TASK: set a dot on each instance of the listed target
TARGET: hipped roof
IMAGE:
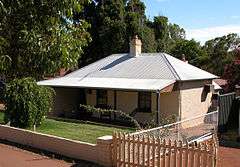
(148, 71)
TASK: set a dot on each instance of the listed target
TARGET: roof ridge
(172, 69)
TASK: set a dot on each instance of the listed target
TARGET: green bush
(26, 102)
(130, 121)
(164, 120)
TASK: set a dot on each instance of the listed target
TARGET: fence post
(178, 127)
(104, 145)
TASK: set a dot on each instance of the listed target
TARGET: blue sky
(202, 19)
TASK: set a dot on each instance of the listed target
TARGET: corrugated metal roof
(106, 83)
(123, 71)
(146, 66)
(187, 71)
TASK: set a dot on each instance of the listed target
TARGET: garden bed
(82, 131)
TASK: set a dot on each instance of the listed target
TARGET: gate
(228, 111)
(146, 151)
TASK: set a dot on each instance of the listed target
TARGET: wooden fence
(129, 150)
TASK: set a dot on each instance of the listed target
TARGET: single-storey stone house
(136, 82)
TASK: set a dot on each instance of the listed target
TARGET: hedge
(122, 116)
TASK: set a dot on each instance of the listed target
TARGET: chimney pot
(135, 46)
(184, 58)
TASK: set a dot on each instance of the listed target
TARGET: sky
(202, 19)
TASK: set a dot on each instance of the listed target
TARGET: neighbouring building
(138, 83)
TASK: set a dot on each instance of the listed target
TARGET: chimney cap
(135, 37)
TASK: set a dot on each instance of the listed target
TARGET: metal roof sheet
(149, 71)
(146, 66)
(106, 83)
(187, 71)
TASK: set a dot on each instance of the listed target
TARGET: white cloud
(204, 34)
(235, 17)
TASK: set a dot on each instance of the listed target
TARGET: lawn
(87, 132)
(78, 131)
(1, 117)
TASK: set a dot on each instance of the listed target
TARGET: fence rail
(147, 151)
(187, 130)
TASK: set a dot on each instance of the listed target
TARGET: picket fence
(146, 151)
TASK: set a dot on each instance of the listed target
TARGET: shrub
(164, 120)
(26, 102)
(130, 121)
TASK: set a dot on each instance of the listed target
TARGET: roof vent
(135, 46)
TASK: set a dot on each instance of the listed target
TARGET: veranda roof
(109, 83)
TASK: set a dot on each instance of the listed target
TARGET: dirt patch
(228, 157)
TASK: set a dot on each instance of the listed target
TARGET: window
(101, 98)
(144, 101)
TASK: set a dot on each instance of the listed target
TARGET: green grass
(87, 132)
(1, 117)
(78, 131)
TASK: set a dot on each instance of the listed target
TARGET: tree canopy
(39, 37)
(115, 22)
(220, 52)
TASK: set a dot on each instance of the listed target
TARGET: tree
(115, 22)
(176, 32)
(108, 29)
(232, 75)
(161, 33)
(232, 71)
(135, 17)
(220, 53)
(26, 102)
(112, 35)
(192, 50)
(148, 40)
(39, 37)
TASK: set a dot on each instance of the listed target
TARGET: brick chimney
(135, 46)
(184, 58)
